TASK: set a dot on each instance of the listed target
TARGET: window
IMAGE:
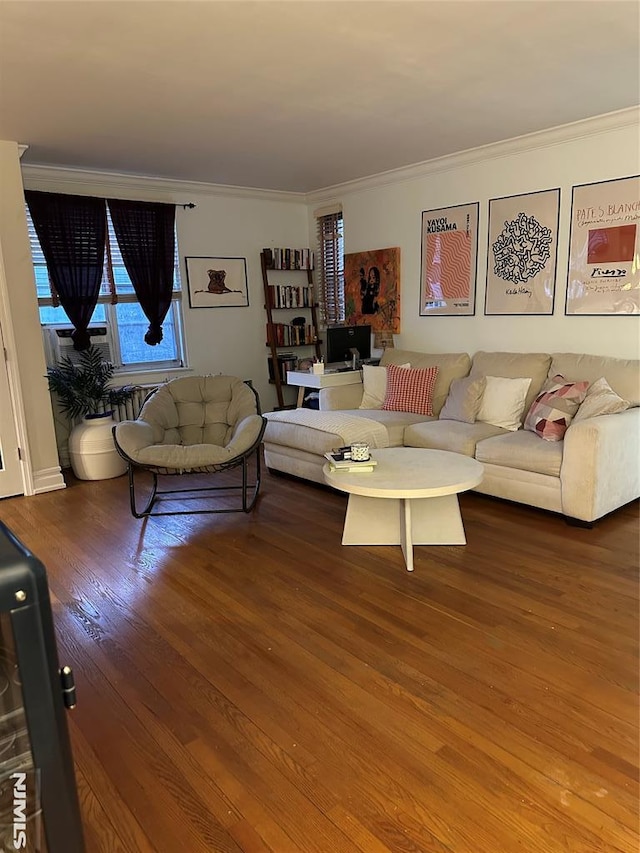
(331, 266)
(125, 320)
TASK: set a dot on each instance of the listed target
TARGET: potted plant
(83, 391)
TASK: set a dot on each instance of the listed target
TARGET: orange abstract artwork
(372, 289)
(611, 245)
(448, 265)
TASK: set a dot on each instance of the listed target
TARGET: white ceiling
(302, 95)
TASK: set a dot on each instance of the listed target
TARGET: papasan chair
(194, 425)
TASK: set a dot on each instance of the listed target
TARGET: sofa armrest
(341, 397)
(601, 465)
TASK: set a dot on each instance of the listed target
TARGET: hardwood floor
(245, 683)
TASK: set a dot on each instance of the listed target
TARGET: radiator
(130, 410)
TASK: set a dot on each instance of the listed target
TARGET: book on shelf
(288, 259)
(287, 296)
(286, 362)
(289, 335)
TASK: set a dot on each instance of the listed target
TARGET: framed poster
(522, 253)
(372, 289)
(217, 282)
(604, 248)
(449, 260)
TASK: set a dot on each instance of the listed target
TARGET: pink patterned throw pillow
(410, 389)
(553, 409)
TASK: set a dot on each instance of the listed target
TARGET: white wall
(386, 211)
(226, 222)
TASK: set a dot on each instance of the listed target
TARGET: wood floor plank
(248, 684)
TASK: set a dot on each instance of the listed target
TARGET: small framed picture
(217, 282)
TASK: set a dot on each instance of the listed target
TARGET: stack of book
(288, 259)
(337, 462)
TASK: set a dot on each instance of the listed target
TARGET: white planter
(92, 451)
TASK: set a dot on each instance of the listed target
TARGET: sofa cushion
(465, 397)
(623, 375)
(503, 401)
(601, 399)
(394, 422)
(512, 365)
(409, 389)
(318, 432)
(450, 366)
(374, 386)
(522, 450)
(554, 408)
(449, 435)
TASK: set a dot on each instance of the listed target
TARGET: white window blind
(331, 267)
(114, 269)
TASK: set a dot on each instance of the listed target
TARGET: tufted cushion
(409, 389)
(198, 410)
(193, 422)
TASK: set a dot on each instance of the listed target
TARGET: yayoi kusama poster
(449, 260)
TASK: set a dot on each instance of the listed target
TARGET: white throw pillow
(601, 399)
(503, 402)
(374, 381)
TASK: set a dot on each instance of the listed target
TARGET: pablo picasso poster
(522, 253)
(604, 248)
(449, 260)
(372, 289)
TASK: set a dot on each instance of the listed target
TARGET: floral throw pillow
(553, 409)
(410, 389)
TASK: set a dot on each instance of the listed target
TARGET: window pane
(132, 326)
(42, 282)
(48, 314)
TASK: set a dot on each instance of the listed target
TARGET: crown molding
(83, 181)
(143, 188)
(560, 135)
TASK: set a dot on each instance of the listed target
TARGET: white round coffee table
(410, 498)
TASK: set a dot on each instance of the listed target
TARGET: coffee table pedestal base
(403, 521)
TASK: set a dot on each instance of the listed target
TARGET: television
(343, 342)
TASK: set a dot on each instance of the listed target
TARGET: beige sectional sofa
(592, 471)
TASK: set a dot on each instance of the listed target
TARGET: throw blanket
(349, 427)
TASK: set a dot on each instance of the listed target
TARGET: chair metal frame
(249, 497)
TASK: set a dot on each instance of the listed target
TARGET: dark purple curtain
(145, 232)
(72, 232)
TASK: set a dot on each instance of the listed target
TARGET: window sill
(150, 374)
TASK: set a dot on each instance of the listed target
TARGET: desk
(321, 380)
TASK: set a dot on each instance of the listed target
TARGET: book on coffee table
(357, 467)
(337, 462)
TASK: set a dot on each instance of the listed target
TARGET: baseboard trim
(48, 480)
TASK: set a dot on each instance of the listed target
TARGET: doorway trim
(15, 388)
